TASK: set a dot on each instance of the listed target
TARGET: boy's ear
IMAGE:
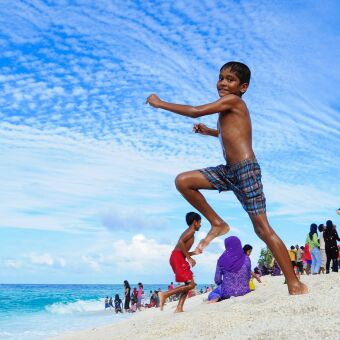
(244, 87)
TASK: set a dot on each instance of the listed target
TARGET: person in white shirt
(322, 249)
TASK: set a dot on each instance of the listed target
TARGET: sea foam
(80, 306)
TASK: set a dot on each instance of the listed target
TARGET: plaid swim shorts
(244, 179)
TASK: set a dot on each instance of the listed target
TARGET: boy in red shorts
(180, 265)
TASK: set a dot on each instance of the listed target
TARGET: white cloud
(47, 259)
(93, 264)
(13, 263)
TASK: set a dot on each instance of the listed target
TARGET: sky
(87, 169)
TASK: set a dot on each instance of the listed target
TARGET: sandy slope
(267, 313)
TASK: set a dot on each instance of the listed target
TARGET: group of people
(233, 275)
(240, 174)
(319, 255)
(134, 298)
(322, 248)
(117, 303)
(133, 301)
(320, 251)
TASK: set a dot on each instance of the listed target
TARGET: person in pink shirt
(139, 295)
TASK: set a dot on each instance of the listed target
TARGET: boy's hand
(200, 128)
(153, 100)
(192, 261)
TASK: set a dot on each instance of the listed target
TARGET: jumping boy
(241, 174)
(179, 264)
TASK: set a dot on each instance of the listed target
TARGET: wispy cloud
(80, 151)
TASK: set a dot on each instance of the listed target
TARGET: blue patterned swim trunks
(244, 179)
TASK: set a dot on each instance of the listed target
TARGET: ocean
(39, 311)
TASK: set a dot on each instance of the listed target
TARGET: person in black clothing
(118, 304)
(127, 296)
(331, 236)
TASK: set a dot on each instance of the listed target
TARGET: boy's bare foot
(179, 310)
(161, 300)
(215, 231)
(298, 289)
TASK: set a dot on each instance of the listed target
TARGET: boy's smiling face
(229, 83)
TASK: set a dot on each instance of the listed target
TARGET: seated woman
(276, 269)
(233, 271)
(118, 304)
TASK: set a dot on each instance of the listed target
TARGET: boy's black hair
(191, 217)
(292, 247)
(242, 70)
(247, 247)
(321, 227)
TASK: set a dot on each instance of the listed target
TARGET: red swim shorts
(180, 266)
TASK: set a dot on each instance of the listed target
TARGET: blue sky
(87, 169)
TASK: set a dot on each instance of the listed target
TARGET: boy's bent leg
(188, 184)
(178, 290)
(279, 251)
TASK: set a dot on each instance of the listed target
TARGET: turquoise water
(41, 311)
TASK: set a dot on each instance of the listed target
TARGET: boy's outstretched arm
(223, 104)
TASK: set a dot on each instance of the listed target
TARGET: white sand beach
(267, 313)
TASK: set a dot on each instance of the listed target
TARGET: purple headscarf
(233, 257)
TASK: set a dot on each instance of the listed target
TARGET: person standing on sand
(241, 173)
(331, 236)
(299, 263)
(127, 291)
(292, 256)
(308, 258)
(321, 229)
(139, 295)
(179, 261)
(312, 240)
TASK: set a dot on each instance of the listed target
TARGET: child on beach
(247, 249)
(241, 174)
(106, 302)
(307, 258)
(118, 304)
(180, 266)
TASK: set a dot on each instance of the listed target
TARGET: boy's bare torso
(235, 133)
(187, 238)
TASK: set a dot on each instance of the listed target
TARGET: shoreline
(267, 312)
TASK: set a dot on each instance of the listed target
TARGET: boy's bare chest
(189, 242)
